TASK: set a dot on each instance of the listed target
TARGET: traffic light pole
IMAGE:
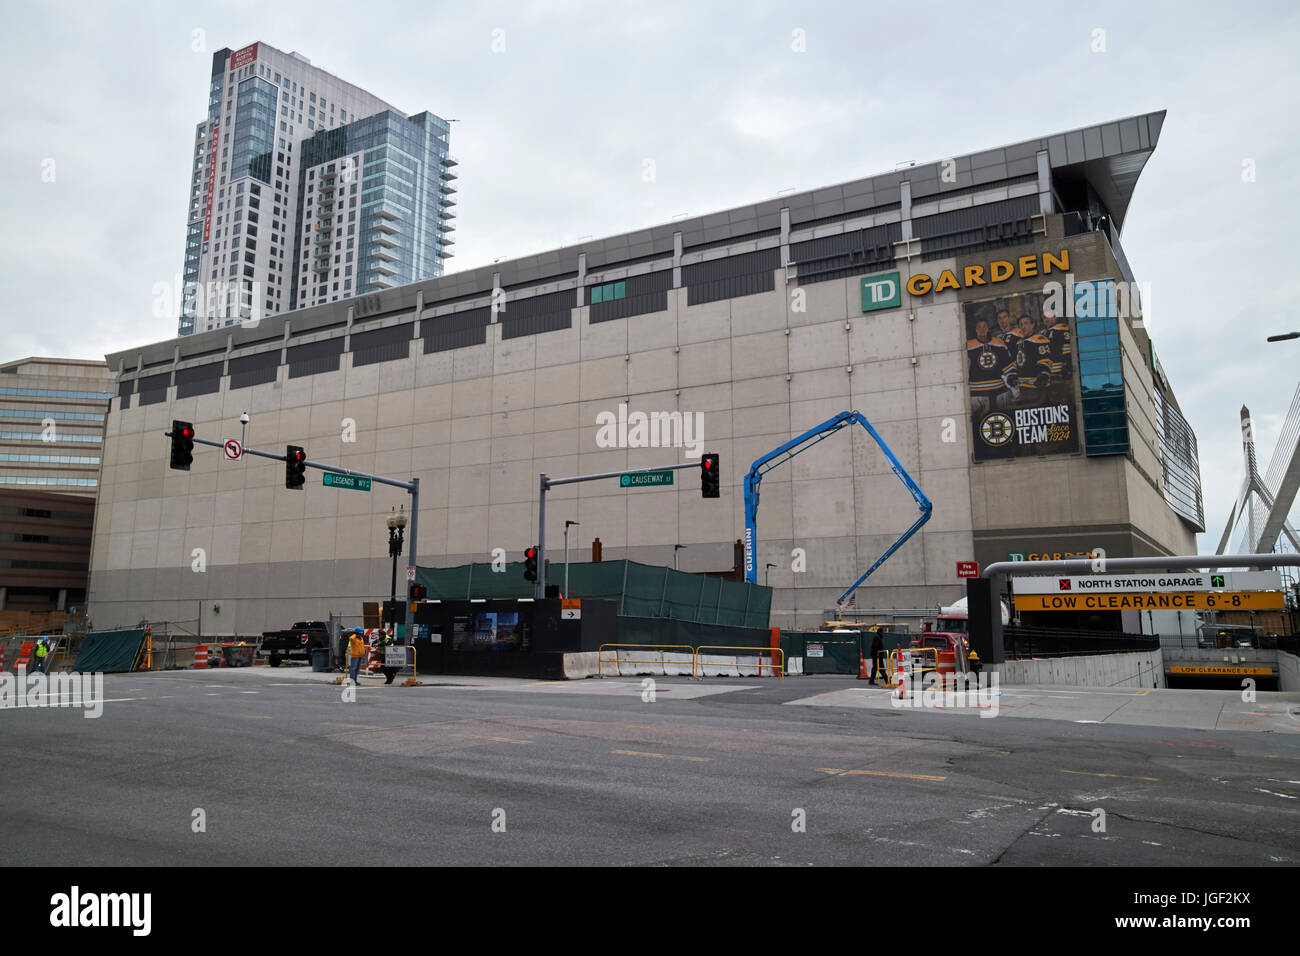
(545, 484)
(412, 486)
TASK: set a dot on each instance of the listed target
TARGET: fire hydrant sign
(968, 569)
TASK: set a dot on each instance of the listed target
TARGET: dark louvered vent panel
(849, 254)
(644, 294)
(254, 369)
(732, 277)
(540, 313)
(315, 358)
(200, 380)
(964, 231)
(456, 331)
(381, 345)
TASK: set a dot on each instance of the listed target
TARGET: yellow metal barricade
(413, 680)
(601, 659)
(778, 668)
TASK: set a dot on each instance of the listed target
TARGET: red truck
(950, 632)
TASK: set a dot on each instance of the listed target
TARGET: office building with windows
(52, 414)
(244, 235)
(980, 311)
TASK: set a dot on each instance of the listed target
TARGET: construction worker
(975, 663)
(356, 654)
(384, 639)
(42, 654)
(877, 645)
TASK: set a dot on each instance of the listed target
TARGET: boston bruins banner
(1020, 368)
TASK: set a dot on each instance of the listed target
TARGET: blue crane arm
(796, 446)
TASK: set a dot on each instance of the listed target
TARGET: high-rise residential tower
(247, 232)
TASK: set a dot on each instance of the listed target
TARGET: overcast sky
(554, 129)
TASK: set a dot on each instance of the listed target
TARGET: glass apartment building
(242, 237)
(374, 204)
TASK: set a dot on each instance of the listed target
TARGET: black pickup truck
(297, 643)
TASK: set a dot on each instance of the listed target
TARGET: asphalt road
(282, 771)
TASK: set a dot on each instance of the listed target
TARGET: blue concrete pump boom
(801, 444)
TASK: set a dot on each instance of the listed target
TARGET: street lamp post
(396, 532)
(566, 555)
(1284, 337)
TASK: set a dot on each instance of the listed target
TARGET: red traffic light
(530, 553)
(187, 432)
(707, 464)
(299, 455)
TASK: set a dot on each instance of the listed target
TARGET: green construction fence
(640, 590)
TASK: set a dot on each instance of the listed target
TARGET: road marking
(640, 726)
(642, 753)
(502, 740)
(880, 773)
(1285, 794)
(1118, 776)
(248, 692)
(330, 723)
(254, 717)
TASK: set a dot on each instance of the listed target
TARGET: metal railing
(1022, 642)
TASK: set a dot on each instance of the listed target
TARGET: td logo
(881, 292)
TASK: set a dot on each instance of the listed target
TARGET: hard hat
(357, 630)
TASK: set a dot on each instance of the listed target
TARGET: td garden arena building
(977, 310)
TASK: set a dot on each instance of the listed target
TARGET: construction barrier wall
(638, 590)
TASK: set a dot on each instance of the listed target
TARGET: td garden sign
(1237, 590)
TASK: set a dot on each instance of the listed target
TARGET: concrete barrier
(633, 662)
(1138, 670)
(718, 665)
(580, 665)
(1288, 672)
(678, 664)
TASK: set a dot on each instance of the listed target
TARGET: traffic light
(419, 592)
(182, 434)
(530, 564)
(295, 467)
(709, 476)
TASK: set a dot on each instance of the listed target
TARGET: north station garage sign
(1234, 590)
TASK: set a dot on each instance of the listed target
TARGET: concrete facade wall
(1139, 670)
(1288, 672)
(477, 425)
